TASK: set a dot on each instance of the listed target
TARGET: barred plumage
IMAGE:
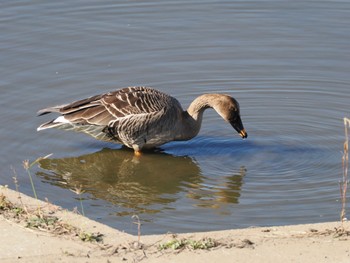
(141, 117)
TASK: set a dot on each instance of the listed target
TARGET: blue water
(286, 62)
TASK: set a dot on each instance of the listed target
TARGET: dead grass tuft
(344, 180)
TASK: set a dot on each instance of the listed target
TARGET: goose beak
(238, 126)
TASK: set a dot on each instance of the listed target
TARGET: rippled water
(286, 62)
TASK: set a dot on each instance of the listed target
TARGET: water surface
(286, 62)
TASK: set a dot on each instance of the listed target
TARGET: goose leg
(137, 153)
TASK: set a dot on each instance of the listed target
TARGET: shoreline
(321, 242)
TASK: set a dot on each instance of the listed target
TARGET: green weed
(90, 237)
(175, 244)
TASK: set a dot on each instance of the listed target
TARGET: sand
(324, 242)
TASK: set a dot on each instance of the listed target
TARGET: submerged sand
(324, 242)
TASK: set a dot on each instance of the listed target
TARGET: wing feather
(101, 115)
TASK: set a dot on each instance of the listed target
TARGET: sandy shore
(325, 242)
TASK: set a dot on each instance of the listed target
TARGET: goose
(141, 117)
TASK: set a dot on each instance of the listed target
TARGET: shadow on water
(140, 185)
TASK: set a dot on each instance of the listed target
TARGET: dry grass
(43, 220)
(39, 218)
(344, 180)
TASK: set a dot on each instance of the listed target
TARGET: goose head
(228, 108)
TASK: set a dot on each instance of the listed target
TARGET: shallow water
(285, 62)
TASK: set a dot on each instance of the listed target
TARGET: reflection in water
(214, 196)
(140, 185)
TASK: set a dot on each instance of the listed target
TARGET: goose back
(132, 116)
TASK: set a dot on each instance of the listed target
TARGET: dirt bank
(69, 237)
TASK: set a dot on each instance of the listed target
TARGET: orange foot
(137, 153)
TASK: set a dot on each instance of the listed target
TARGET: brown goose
(141, 117)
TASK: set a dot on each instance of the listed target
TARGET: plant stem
(138, 223)
(345, 164)
(27, 167)
(81, 205)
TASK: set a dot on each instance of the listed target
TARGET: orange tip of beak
(243, 134)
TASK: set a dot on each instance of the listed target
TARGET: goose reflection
(139, 185)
